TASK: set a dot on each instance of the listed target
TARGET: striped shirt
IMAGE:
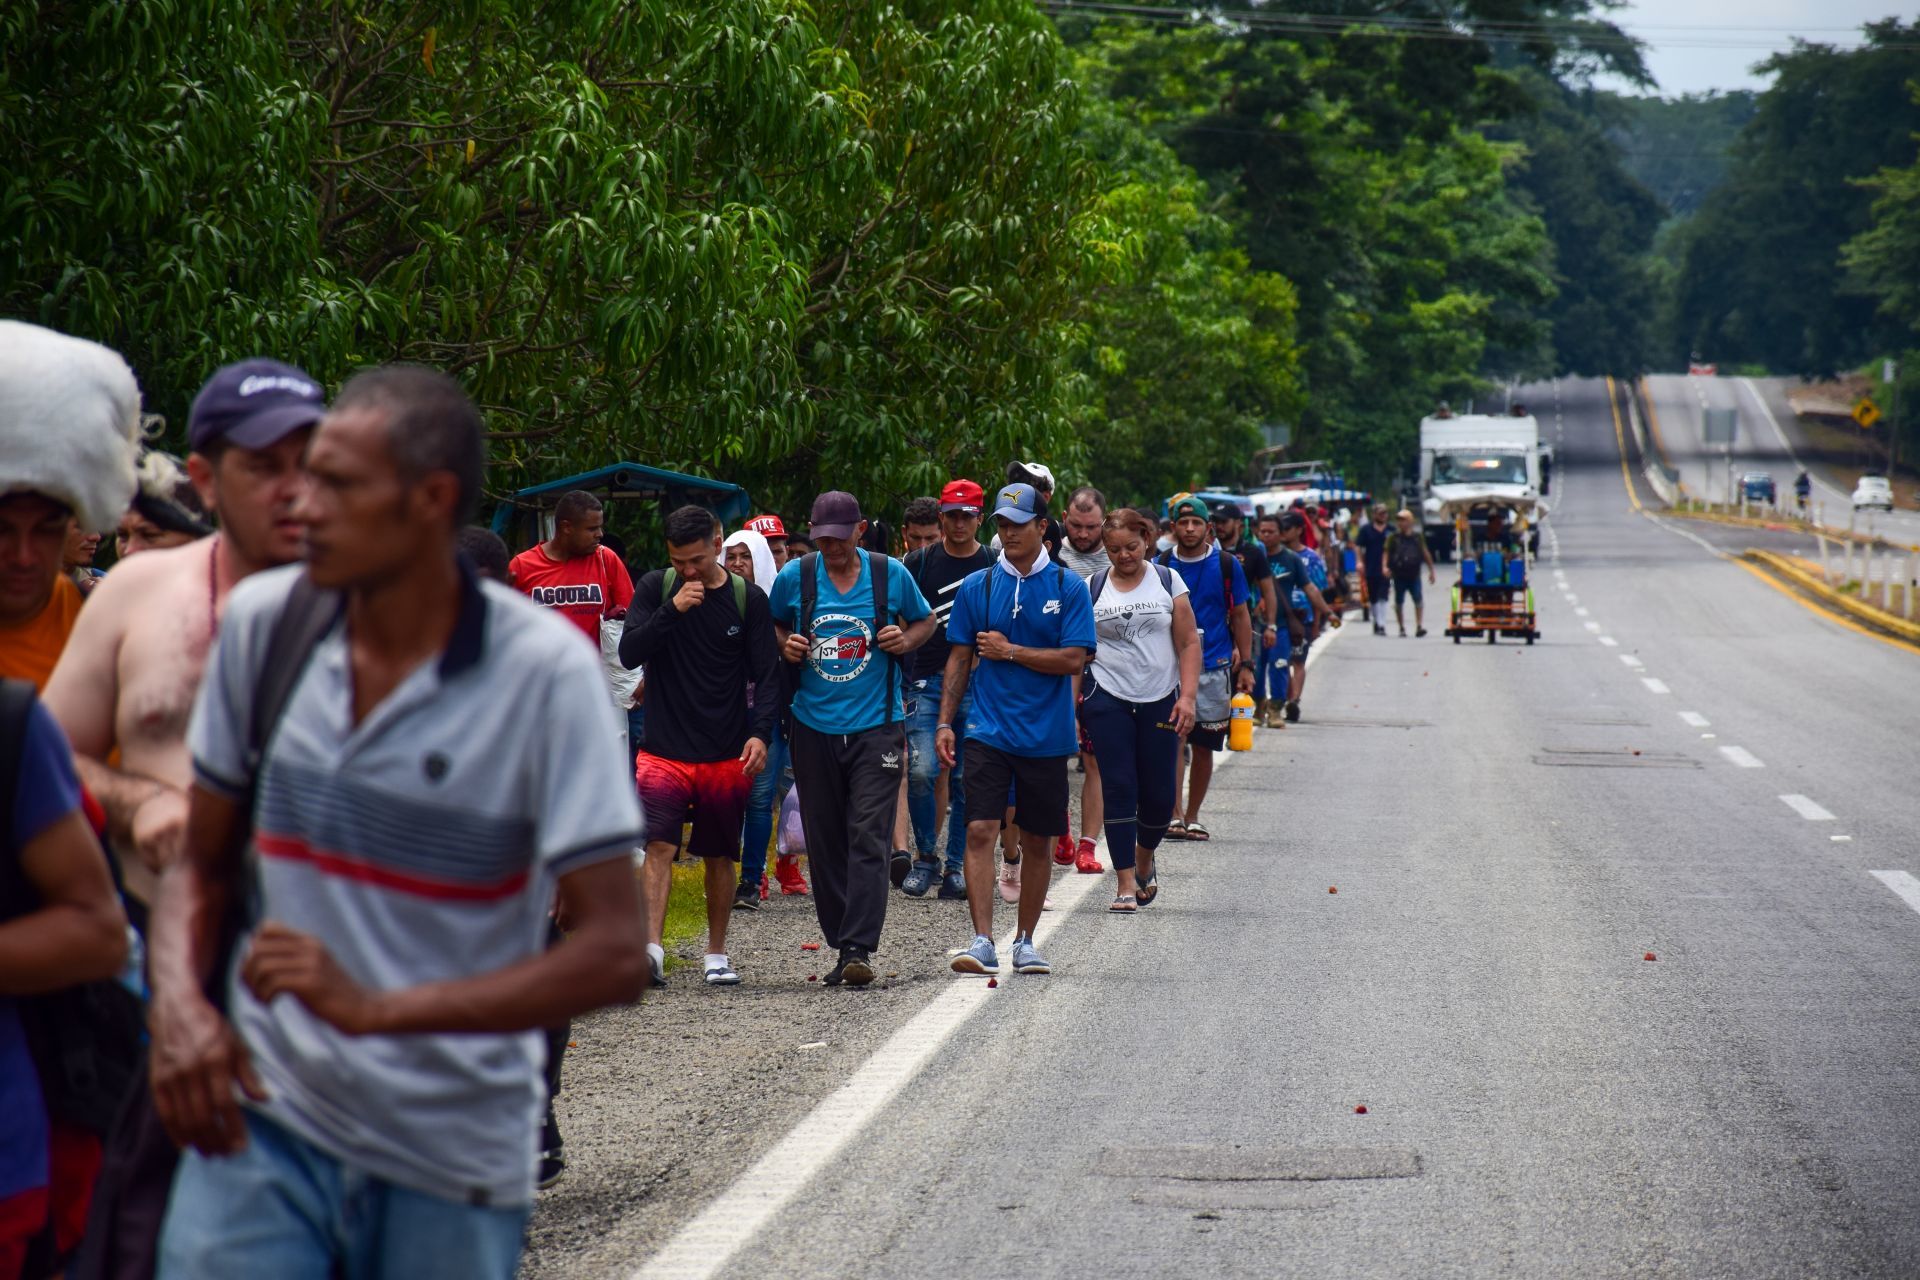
(420, 845)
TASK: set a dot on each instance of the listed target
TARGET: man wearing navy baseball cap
(130, 672)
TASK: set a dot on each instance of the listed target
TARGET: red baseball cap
(963, 495)
(767, 526)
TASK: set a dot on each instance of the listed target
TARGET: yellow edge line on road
(1620, 442)
(1812, 607)
(1653, 428)
(1859, 610)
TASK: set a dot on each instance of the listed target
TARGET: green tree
(1760, 277)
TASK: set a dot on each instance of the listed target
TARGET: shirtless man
(130, 671)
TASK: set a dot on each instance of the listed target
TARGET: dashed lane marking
(1806, 808)
(1742, 757)
(1695, 719)
(1901, 883)
(1581, 612)
(1591, 626)
(1632, 661)
(1655, 686)
(1609, 641)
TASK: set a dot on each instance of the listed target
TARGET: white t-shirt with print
(1135, 660)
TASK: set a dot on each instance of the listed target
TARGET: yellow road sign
(1866, 413)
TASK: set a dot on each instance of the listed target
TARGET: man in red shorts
(704, 635)
(571, 573)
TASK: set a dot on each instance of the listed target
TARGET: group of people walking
(335, 802)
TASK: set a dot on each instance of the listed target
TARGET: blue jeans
(763, 805)
(286, 1209)
(923, 770)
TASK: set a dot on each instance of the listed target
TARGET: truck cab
(1472, 464)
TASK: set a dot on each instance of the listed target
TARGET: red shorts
(711, 795)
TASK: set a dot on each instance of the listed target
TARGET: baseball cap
(962, 495)
(1188, 505)
(1019, 503)
(835, 515)
(1225, 510)
(1043, 475)
(254, 403)
(767, 526)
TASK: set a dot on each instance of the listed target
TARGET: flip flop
(1197, 832)
(1124, 904)
(1147, 887)
(1177, 830)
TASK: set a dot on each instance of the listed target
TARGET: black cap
(1226, 510)
(836, 514)
(254, 404)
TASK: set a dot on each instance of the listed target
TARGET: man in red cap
(938, 571)
(770, 528)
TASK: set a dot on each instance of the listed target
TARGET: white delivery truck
(1473, 464)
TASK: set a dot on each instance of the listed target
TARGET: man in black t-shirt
(939, 570)
(1372, 541)
(704, 636)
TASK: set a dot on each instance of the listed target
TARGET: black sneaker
(746, 897)
(898, 868)
(1418, 632)
(1293, 713)
(553, 1166)
(853, 970)
(1379, 630)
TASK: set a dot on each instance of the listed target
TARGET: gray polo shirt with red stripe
(420, 845)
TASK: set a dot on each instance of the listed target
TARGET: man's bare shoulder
(154, 578)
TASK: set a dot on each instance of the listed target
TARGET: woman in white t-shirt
(1137, 698)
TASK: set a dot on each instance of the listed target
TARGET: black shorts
(1208, 739)
(1039, 786)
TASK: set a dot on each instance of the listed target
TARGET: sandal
(1197, 832)
(1147, 888)
(1124, 904)
(1177, 830)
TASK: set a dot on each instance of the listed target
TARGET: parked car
(1873, 491)
(1757, 486)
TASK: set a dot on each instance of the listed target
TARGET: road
(1768, 439)
(1619, 966)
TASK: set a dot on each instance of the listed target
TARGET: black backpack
(810, 594)
(1405, 557)
(1099, 582)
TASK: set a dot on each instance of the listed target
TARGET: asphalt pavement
(1608, 968)
(1767, 438)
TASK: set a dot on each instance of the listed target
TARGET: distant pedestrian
(938, 570)
(847, 618)
(1371, 538)
(1407, 554)
(919, 527)
(1030, 623)
(706, 637)
(371, 1105)
(770, 528)
(1085, 552)
(487, 552)
(1273, 681)
(1218, 593)
(167, 511)
(1309, 601)
(1137, 699)
(571, 572)
(1229, 524)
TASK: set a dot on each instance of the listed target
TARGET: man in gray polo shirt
(422, 798)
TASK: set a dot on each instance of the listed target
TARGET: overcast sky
(1696, 45)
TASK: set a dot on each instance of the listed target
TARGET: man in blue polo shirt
(1031, 622)
(1218, 590)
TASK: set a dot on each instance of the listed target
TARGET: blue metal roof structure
(633, 480)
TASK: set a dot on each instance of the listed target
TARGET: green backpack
(739, 590)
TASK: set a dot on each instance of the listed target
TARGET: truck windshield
(1479, 468)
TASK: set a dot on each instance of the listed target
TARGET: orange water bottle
(1240, 727)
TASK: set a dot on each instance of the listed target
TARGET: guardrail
(1664, 480)
(1847, 594)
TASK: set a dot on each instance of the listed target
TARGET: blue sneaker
(954, 886)
(1027, 957)
(918, 880)
(979, 957)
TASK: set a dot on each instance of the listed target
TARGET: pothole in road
(1612, 758)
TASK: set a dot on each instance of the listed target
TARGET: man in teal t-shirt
(848, 737)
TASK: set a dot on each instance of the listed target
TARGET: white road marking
(1655, 686)
(1610, 642)
(1901, 883)
(1695, 719)
(1591, 626)
(704, 1247)
(1806, 808)
(1581, 612)
(1632, 661)
(1841, 839)
(1742, 757)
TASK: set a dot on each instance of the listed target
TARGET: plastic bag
(791, 837)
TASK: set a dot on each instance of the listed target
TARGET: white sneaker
(1009, 882)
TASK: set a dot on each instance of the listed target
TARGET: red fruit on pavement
(1360, 1110)
(1333, 888)
(813, 977)
(1651, 956)
(993, 982)
(809, 946)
